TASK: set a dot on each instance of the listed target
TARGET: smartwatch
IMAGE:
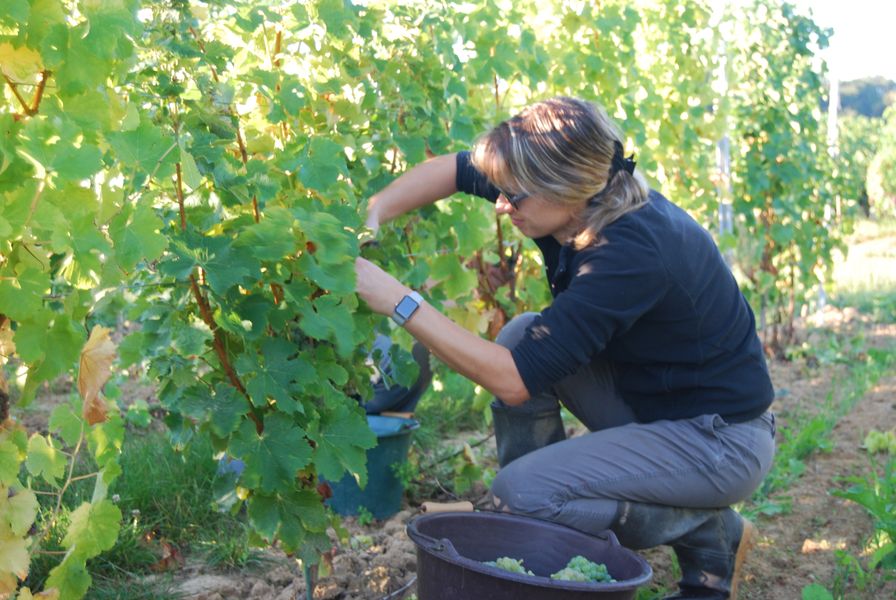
(406, 308)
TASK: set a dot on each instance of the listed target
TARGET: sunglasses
(514, 199)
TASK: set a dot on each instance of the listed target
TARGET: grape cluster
(510, 564)
(578, 568)
(881, 441)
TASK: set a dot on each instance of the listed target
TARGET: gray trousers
(702, 462)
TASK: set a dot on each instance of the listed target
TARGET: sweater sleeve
(611, 287)
(471, 181)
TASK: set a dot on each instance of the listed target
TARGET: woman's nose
(502, 206)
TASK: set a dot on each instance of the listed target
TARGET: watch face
(406, 307)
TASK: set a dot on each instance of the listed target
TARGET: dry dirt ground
(795, 549)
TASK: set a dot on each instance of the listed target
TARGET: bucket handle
(440, 545)
(608, 536)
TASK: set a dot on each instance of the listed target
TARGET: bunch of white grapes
(578, 568)
(510, 564)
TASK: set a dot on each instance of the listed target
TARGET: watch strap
(402, 318)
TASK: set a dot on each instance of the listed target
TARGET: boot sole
(747, 542)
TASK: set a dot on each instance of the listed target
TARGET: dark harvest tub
(382, 496)
(451, 548)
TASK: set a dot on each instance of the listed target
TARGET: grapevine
(195, 174)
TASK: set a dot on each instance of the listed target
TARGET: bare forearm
(423, 184)
(486, 363)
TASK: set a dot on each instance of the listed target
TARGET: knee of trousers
(516, 490)
(514, 330)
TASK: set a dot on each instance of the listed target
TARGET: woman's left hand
(377, 288)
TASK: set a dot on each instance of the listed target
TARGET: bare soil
(795, 548)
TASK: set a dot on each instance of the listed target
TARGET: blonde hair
(562, 149)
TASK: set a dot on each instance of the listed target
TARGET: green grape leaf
(453, 278)
(112, 26)
(192, 340)
(325, 161)
(18, 507)
(413, 148)
(70, 577)
(275, 379)
(342, 437)
(225, 266)
(334, 243)
(287, 511)
(90, 110)
(13, 12)
(138, 414)
(44, 459)
(255, 308)
(131, 119)
(22, 294)
(291, 97)
(263, 386)
(222, 409)
(337, 278)
(93, 528)
(228, 406)
(272, 238)
(77, 162)
(189, 169)
(130, 350)
(273, 458)
(472, 230)
(9, 140)
(336, 15)
(66, 420)
(330, 319)
(134, 230)
(105, 439)
(146, 148)
(63, 342)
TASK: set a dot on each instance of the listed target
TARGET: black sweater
(659, 302)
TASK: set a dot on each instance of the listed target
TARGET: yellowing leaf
(94, 371)
(19, 64)
(14, 556)
(7, 346)
(25, 594)
(18, 509)
(8, 584)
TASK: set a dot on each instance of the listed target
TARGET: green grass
(879, 303)
(809, 431)
(167, 500)
(866, 277)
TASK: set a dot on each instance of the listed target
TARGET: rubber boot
(518, 432)
(710, 544)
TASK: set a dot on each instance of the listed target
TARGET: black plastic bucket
(451, 548)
